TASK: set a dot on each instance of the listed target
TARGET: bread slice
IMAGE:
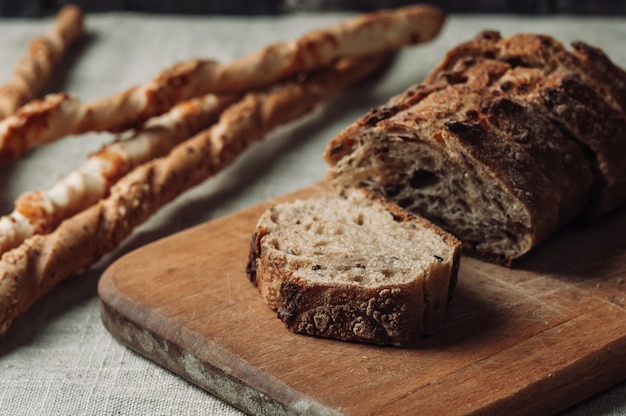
(501, 145)
(354, 267)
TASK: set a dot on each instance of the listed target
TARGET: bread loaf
(354, 267)
(581, 92)
(501, 145)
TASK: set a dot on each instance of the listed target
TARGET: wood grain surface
(533, 339)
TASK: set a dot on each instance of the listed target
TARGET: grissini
(43, 55)
(42, 261)
(39, 212)
(60, 115)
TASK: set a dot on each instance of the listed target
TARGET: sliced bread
(580, 91)
(501, 145)
(354, 267)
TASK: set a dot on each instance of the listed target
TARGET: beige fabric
(58, 359)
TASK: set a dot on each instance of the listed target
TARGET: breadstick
(44, 53)
(39, 212)
(42, 261)
(60, 115)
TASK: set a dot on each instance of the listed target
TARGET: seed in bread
(354, 267)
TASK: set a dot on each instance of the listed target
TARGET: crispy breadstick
(39, 212)
(44, 53)
(42, 261)
(60, 115)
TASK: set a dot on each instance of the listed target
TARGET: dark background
(36, 8)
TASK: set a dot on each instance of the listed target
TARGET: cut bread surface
(455, 191)
(354, 267)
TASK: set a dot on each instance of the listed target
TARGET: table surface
(58, 358)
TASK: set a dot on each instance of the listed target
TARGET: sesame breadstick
(39, 212)
(59, 115)
(44, 53)
(32, 269)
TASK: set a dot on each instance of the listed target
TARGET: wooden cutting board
(530, 340)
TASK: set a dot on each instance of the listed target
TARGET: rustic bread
(354, 267)
(512, 120)
(544, 53)
(583, 93)
(500, 145)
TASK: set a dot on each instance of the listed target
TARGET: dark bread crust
(580, 91)
(601, 68)
(377, 316)
(510, 118)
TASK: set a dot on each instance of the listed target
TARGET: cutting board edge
(117, 323)
(566, 394)
(237, 391)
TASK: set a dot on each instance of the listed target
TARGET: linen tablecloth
(59, 359)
